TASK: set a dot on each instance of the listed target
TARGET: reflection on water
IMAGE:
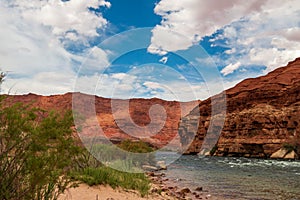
(237, 178)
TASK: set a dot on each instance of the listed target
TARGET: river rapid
(235, 178)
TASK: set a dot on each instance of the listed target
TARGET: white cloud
(44, 83)
(269, 38)
(230, 51)
(26, 47)
(65, 16)
(261, 32)
(152, 85)
(94, 60)
(272, 57)
(184, 23)
(32, 43)
(230, 68)
(292, 34)
(164, 60)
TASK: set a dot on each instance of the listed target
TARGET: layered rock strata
(262, 115)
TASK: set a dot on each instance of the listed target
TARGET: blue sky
(171, 49)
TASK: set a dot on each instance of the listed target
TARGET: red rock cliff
(262, 115)
(113, 121)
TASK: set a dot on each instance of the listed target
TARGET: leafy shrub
(289, 147)
(135, 146)
(36, 153)
(126, 156)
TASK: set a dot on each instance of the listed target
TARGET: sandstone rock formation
(284, 153)
(113, 119)
(262, 115)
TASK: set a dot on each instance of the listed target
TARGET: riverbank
(171, 188)
(212, 178)
(102, 192)
(161, 189)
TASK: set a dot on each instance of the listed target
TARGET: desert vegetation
(40, 157)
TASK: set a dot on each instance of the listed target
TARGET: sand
(101, 192)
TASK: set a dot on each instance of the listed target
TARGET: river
(235, 178)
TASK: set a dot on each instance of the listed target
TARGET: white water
(237, 178)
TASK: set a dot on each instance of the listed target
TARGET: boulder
(161, 165)
(291, 155)
(149, 168)
(185, 191)
(199, 189)
(281, 153)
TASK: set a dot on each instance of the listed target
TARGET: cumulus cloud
(259, 32)
(64, 16)
(230, 68)
(32, 43)
(184, 23)
(268, 38)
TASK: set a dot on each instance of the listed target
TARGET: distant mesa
(106, 119)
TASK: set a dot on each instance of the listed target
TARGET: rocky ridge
(261, 117)
(117, 123)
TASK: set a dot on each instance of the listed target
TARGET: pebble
(185, 190)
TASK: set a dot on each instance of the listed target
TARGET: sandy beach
(101, 192)
(161, 189)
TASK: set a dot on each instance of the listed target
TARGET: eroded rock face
(262, 115)
(113, 118)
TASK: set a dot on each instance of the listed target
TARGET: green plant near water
(108, 176)
(213, 150)
(116, 158)
(126, 156)
(289, 147)
(136, 146)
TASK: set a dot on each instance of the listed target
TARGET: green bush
(135, 147)
(36, 153)
(289, 147)
(126, 156)
(39, 158)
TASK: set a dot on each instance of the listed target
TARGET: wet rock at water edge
(161, 165)
(149, 168)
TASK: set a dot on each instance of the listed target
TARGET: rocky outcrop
(262, 115)
(116, 119)
(284, 153)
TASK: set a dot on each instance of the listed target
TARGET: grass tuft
(108, 176)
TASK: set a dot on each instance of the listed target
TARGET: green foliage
(135, 147)
(289, 147)
(114, 178)
(36, 153)
(39, 158)
(116, 158)
(127, 156)
(159, 191)
(213, 150)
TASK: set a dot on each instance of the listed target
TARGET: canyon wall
(262, 115)
(114, 119)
